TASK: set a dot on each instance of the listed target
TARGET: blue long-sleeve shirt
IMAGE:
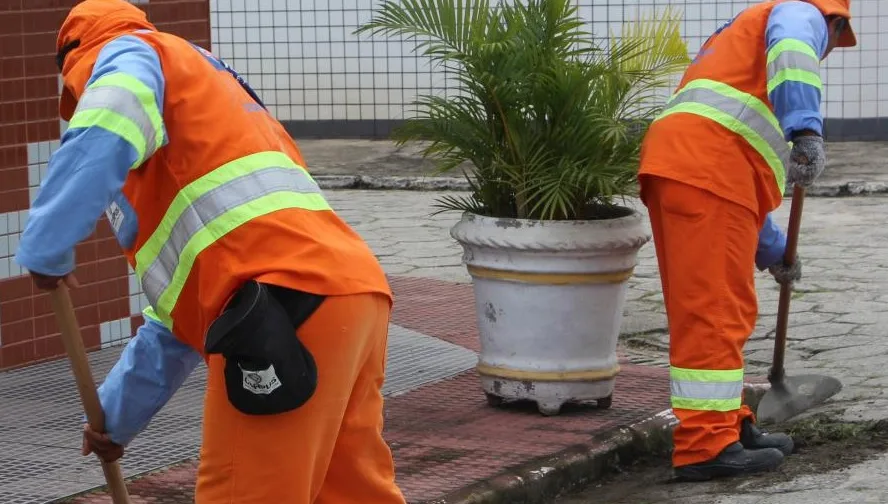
(795, 97)
(87, 172)
(153, 365)
(85, 178)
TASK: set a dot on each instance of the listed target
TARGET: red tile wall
(29, 113)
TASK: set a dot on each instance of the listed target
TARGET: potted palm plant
(546, 125)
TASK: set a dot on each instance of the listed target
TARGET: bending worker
(242, 259)
(713, 166)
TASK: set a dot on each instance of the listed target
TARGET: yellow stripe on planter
(550, 278)
(550, 376)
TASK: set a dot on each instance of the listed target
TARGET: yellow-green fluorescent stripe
(223, 225)
(789, 44)
(149, 313)
(735, 125)
(706, 404)
(143, 93)
(115, 123)
(732, 92)
(794, 74)
(705, 375)
(225, 173)
(702, 382)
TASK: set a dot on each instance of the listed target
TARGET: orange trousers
(706, 254)
(329, 451)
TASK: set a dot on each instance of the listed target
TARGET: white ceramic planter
(549, 297)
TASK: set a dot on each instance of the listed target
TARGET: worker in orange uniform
(243, 261)
(714, 165)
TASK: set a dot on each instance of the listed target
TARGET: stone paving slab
(39, 443)
(839, 312)
(852, 167)
(444, 435)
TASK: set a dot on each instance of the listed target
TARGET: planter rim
(593, 236)
(634, 215)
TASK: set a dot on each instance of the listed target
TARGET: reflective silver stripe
(123, 102)
(210, 206)
(794, 60)
(706, 390)
(742, 112)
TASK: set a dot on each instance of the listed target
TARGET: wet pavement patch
(822, 445)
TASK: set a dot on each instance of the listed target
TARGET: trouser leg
(706, 254)
(286, 458)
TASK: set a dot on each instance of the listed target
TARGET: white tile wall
(137, 299)
(13, 223)
(11, 226)
(115, 332)
(303, 59)
(38, 161)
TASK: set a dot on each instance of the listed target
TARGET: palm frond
(550, 120)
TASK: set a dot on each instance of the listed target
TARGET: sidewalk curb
(539, 481)
(393, 183)
(845, 189)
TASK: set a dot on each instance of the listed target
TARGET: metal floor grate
(415, 359)
(40, 418)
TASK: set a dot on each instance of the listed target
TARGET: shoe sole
(722, 471)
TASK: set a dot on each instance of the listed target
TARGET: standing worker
(713, 167)
(235, 246)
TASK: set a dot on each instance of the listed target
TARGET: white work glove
(806, 161)
(784, 274)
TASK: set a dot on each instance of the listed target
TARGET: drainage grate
(40, 457)
(415, 359)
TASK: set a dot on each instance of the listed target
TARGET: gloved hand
(100, 444)
(784, 274)
(806, 161)
(48, 283)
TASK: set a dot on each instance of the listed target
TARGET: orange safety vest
(718, 131)
(227, 198)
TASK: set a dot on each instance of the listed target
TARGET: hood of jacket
(89, 26)
(840, 8)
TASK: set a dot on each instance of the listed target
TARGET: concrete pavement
(852, 167)
(862, 483)
(833, 463)
(838, 313)
(838, 322)
(445, 437)
(836, 326)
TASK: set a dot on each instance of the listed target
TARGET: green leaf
(547, 123)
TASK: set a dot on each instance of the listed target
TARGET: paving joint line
(574, 468)
(428, 183)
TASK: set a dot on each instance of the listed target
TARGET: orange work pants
(330, 450)
(706, 254)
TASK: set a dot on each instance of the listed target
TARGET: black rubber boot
(752, 438)
(732, 461)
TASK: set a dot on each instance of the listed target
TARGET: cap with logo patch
(267, 369)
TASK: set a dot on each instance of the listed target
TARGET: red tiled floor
(441, 309)
(444, 436)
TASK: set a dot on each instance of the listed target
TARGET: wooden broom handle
(64, 311)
